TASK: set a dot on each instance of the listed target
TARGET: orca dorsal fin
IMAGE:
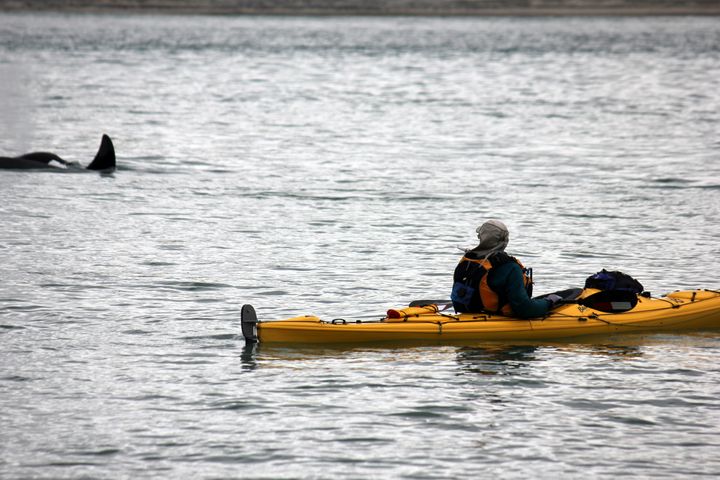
(105, 158)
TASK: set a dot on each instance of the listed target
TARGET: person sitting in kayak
(489, 280)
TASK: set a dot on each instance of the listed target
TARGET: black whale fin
(105, 158)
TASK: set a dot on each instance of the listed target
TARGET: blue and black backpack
(604, 280)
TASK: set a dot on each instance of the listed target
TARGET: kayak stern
(248, 323)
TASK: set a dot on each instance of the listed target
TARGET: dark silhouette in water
(104, 160)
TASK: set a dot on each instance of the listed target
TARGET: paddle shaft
(609, 301)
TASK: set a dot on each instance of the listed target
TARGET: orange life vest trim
(489, 298)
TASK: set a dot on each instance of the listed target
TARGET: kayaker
(489, 280)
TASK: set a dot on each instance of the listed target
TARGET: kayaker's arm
(509, 280)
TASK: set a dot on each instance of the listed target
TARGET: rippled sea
(333, 166)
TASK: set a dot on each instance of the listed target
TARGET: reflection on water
(490, 359)
(495, 360)
(511, 359)
(247, 356)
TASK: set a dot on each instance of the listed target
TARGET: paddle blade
(610, 301)
(424, 303)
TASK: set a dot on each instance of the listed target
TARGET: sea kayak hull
(678, 311)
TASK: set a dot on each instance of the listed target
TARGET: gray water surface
(332, 166)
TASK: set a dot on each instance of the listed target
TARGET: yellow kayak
(677, 311)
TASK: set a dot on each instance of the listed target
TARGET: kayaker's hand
(553, 299)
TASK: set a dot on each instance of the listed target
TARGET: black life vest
(471, 291)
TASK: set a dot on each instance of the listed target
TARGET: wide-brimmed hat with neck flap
(494, 237)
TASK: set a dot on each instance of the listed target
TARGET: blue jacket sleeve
(508, 279)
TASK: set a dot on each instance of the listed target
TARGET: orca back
(104, 160)
(31, 161)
